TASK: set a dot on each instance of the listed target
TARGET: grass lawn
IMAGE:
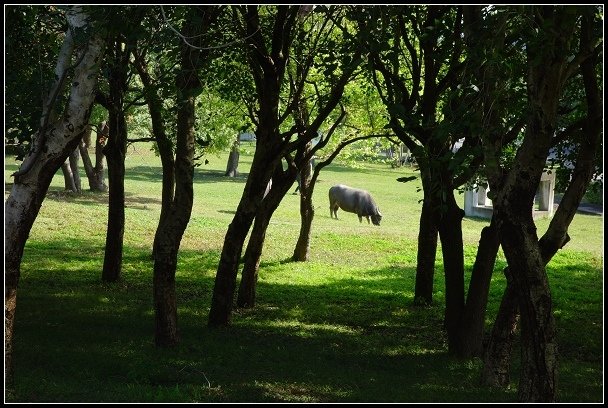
(339, 328)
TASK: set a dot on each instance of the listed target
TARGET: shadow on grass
(347, 339)
(154, 174)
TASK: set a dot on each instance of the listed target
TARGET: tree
(417, 62)
(57, 136)
(178, 163)
(313, 32)
(527, 44)
(95, 174)
(268, 68)
(118, 76)
(552, 61)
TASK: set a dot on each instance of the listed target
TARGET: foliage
(32, 42)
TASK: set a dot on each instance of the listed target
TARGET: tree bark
(73, 160)
(57, 140)
(469, 337)
(427, 249)
(233, 160)
(497, 352)
(307, 214)
(68, 178)
(282, 182)
(268, 69)
(172, 226)
(95, 175)
(115, 152)
(496, 365)
(178, 172)
(450, 233)
(225, 280)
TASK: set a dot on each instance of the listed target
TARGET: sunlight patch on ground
(298, 392)
(309, 329)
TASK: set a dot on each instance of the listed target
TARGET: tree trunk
(178, 174)
(538, 343)
(253, 254)
(95, 175)
(172, 225)
(307, 213)
(73, 158)
(452, 247)
(31, 183)
(427, 251)
(100, 140)
(225, 279)
(497, 352)
(468, 341)
(68, 178)
(115, 151)
(233, 160)
(283, 180)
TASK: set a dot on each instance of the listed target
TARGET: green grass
(339, 328)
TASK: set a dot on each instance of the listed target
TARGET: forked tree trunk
(225, 280)
(497, 356)
(57, 139)
(172, 225)
(469, 337)
(95, 175)
(247, 288)
(178, 174)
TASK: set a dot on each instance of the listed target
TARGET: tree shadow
(349, 339)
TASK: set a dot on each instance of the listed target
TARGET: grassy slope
(338, 328)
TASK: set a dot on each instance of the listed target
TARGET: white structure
(247, 137)
(477, 203)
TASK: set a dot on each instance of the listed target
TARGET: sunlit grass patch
(293, 392)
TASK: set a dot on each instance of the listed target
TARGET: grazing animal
(353, 200)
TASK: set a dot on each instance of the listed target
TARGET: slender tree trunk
(307, 213)
(253, 254)
(57, 140)
(73, 159)
(100, 140)
(86, 160)
(171, 228)
(427, 249)
(233, 160)
(115, 151)
(452, 247)
(68, 178)
(165, 246)
(178, 174)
